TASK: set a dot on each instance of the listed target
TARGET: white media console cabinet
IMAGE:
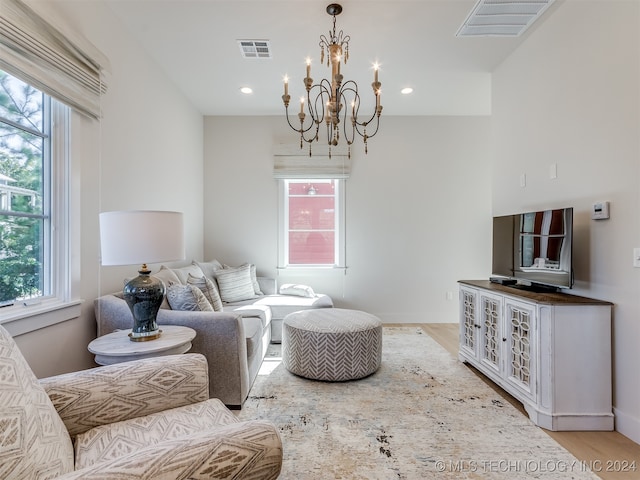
(551, 351)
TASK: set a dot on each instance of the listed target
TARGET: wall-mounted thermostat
(600, 211)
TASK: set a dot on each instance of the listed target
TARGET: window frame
(283, 226)
(55, 305)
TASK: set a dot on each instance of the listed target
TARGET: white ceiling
(195, 43)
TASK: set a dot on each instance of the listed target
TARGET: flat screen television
(534, 248)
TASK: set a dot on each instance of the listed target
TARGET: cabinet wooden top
(547, 298)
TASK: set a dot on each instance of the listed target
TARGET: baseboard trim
(627, 425)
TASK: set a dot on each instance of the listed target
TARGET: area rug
(423, 414)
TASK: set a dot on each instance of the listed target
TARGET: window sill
(20, 319)
(307, 271)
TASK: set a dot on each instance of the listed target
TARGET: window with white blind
(312, 226)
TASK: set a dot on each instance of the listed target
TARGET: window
(312, 223)
(32, 192)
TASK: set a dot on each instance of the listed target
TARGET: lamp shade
(141, 236)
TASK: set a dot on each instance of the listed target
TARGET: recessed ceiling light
(246, 90)
(406, 91)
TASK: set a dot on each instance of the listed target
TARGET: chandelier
(325, 101)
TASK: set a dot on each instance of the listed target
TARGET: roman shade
(290, 162)
(66, 67)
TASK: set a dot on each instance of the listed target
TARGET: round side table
(116, 347)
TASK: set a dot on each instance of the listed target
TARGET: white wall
(570, 96)
(146, 153)
(418, 210)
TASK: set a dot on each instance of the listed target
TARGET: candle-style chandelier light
(325, 101)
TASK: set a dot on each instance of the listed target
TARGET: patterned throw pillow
(235, 284)
(187, 297)
(208, 287)
(254, 278)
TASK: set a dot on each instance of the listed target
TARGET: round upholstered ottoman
(331, 344)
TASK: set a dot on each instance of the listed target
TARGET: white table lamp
(141, 237)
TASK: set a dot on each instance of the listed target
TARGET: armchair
(144, 419)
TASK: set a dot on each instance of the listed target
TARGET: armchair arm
(220, 337)
(250, 449)
(118, 392)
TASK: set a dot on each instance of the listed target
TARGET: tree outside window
(24, 216)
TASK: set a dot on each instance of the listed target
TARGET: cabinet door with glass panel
(469, 322)
(521, 351)
(491, 352)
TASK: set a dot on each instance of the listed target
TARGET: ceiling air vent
(255, 48)
(502, 18)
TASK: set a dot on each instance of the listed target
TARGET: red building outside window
(311, 208)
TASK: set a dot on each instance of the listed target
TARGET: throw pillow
(297, 290)
(169, 278)
(254, 277)
(187, 297)
(210, 268)
(183, 272)
(235, 284)
(208, 287)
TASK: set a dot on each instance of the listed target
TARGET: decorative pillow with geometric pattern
(187, 298)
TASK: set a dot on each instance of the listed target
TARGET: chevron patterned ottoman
(331, 344)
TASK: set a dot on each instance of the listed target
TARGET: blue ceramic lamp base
(144, 295)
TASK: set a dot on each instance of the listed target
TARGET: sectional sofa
(234, 325)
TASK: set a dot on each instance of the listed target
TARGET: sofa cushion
(34, 442)
(248, 309)
(108, 442)
(235, 283)
(210, 290)
(283, 305)
(187, 298)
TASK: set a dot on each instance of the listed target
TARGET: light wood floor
(604, 452)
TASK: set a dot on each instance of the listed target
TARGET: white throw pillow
(297, 290)
(235, 284)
